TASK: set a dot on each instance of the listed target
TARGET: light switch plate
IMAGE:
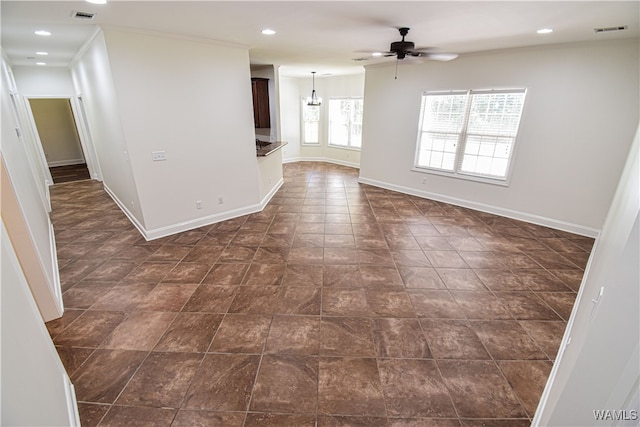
(158, 156)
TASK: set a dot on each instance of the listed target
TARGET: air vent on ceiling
(82, 15)
(608, 29)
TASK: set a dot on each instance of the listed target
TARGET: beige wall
(579, 119)
(191, 99)
(57, 130)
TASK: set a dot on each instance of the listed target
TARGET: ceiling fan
(405, 49)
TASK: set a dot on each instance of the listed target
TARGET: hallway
(339, 304)
(69, 173)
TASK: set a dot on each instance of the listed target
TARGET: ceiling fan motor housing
(401, 48)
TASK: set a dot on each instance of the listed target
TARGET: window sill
(492, 181)
(342, 147)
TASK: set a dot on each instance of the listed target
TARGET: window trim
(303, 127)
(348, 146)
(457, 173)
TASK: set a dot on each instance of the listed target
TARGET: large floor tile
(339, 304)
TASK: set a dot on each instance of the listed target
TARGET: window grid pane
(345, 122)
(486, 155)
(310, 123)
(479, 128)
(495, 114)
(444, 113)
(438, 150)
(311, 132)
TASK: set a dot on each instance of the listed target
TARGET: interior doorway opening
(59, 138)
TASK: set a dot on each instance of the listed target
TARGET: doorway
(57, 132)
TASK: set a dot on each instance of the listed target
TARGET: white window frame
(349, 146)
(461, 138)
(303, 136)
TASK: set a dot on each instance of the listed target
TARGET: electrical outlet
(220, 200)
(158, 156)
(198, 204)
(424, 180)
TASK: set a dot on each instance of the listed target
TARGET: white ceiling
(322, 36)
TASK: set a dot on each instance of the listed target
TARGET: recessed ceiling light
(96, 1)
(545, 31)
(268, 32)
(42, 33)
(41, 63)
(42, 53)
(376, 54)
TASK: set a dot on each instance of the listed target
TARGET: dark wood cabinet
(260, 90)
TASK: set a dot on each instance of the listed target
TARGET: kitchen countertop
(265, 148)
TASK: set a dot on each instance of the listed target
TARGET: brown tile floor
(339, 304)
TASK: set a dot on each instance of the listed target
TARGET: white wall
(44, 81)
(599, 368)
(192, 100)
(270, 174)
(36, 390)
(91, 74)
(28, 206)
(290, 117)
(270, 167)
(582, 104)
(293, 90)
(35, 387)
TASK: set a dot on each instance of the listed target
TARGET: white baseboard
(267, 198)
(212, 219)
(322, 159)
(72, 403)
(123, 208)
(57, 284)
(65, 163)
(180, 227)
(496, 210)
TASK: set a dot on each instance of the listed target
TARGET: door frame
(82, 129)
(86, 141)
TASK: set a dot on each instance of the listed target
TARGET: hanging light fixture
(314, 100)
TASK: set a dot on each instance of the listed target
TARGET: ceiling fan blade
(369, 51)
(439, 56)
(372, 57)
(424, 49)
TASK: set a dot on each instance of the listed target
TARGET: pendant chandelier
(314, 100)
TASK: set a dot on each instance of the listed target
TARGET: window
(310, 123)
(345, 122)
(469, 133)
